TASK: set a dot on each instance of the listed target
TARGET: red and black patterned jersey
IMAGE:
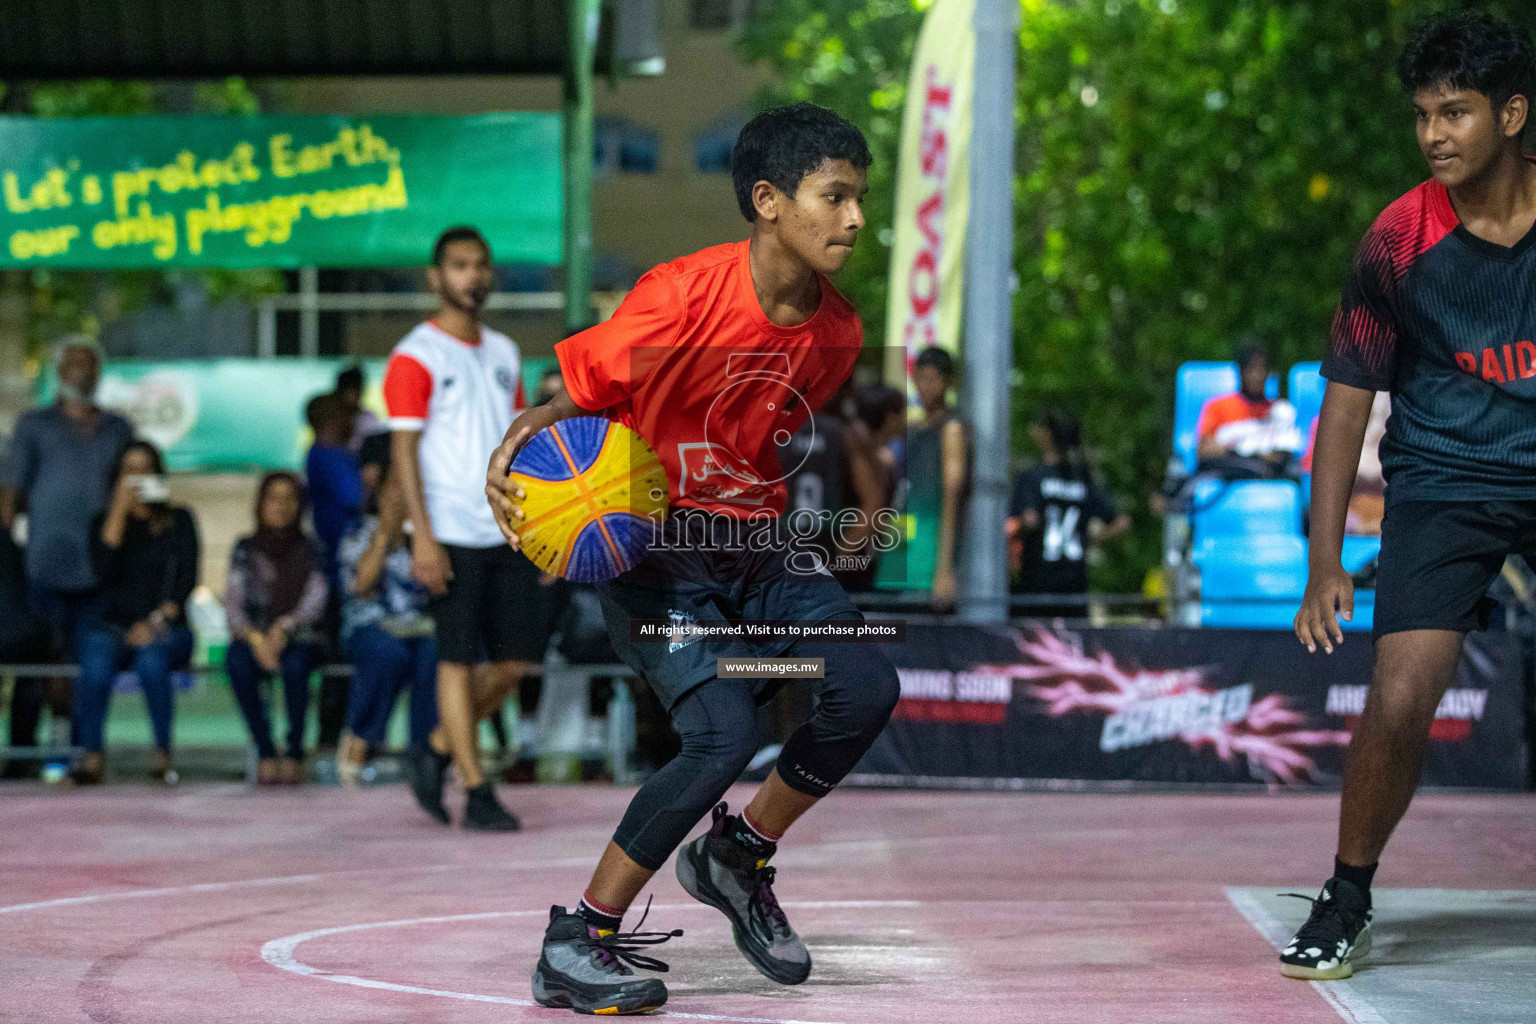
(1446, 322)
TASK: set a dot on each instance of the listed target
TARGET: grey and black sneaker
(587, 970)
(726, 875)
(484, 813)
(1337, 934)
(428, 769)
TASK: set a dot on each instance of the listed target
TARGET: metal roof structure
(73, 39)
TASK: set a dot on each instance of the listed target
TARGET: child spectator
(274, 596)
(1058, 509)
(144, 552)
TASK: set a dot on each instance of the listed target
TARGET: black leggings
(717, 723)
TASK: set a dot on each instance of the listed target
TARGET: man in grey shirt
(60, 460)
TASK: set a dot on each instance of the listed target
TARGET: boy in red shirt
(716, 359)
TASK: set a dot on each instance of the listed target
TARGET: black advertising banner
(984, 705)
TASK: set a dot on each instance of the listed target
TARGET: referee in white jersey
(452, 388)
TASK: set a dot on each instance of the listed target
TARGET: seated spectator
(144, 551)
(385, 632)
(23, 639)
(274, 597)
(1058, 509)
(1245, 435)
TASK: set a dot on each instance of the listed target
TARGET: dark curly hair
(781, 146)
(1469, 50)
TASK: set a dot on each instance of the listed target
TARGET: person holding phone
(144, 551)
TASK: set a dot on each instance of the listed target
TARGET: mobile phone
(153, 488)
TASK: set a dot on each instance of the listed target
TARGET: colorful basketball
(593, 490)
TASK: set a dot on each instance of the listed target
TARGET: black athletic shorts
(494, 609)
(685, 579)
(1438, 558)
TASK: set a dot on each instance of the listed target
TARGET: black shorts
(682, 581)
(494, 609)
(1438, 558)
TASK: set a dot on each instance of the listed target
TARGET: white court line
(1340, 995)
(254, 883)
(279, 953)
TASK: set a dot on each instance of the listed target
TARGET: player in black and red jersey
(1439, 310)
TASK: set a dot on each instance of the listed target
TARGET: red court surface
(220, 904)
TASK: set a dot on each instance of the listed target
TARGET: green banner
(233, 414)
(275, 191)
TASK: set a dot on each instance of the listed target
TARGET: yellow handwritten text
(272, 220)
(144, 228)
(355, 146)
(49, 192)
(185, 173)
(26, 245)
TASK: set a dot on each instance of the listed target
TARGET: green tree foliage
(1188, 171)
(79, 302)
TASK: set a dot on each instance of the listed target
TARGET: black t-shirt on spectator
(1055, 554)
(146, 569)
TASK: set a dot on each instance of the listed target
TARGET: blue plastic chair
(1262, 568)
(1245, 508)
(1358, 552)
(1195, 384)
(1305, 390)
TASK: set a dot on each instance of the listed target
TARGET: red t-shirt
(693, 365)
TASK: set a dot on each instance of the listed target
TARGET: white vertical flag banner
(932, 191)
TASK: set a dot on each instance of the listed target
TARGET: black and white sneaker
(1337, 934)
(727, 876)
(587, 970)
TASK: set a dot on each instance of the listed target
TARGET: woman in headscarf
(144, 556)
(274, 596)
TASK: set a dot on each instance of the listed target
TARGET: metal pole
(266, 329)
(988, 311)
(578, 110)
(309, 312)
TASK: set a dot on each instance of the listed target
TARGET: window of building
(711, 15)
(619, 146)
(713, 146)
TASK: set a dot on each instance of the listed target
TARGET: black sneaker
(428, 769)
(587, 970)
(726, 875)
(1337, 933)
(484, 813)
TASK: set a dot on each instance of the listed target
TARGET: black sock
(1360, 877)
(745, 835)
(596, 918)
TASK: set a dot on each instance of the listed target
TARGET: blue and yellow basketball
(592, 491)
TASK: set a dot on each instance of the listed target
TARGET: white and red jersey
(462, 397)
